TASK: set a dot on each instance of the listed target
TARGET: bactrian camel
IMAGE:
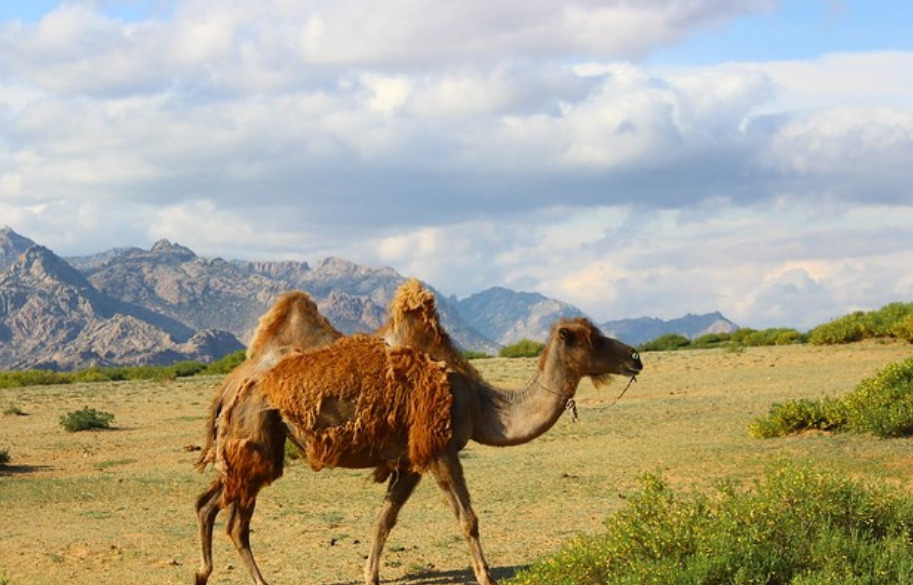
(359, 403)
(245, 436)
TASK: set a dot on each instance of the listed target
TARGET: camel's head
(582, 348)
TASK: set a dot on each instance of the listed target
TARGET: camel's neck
(511, 418)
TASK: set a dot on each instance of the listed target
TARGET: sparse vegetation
(745, 337)
(14, 410)
(475, 355)
(667, 342)
(115, 374)
(4, 457)
(711, 340)
(226, 364)
(881, 405)
(799, 525)
(522, 348)
(892, 320)
(648, 429)
(86, 419)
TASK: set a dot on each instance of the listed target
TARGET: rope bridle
(571, 404)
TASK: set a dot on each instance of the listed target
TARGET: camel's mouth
(631, 371)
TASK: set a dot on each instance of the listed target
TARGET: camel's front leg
(448, 472)
(399, 489)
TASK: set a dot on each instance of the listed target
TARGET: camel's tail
(208, 453)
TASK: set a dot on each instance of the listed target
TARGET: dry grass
(116, 506)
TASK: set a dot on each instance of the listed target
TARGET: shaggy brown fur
(245, 435)
(361, 398)
(414, 321)
(292, 324)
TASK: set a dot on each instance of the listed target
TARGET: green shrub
(292, 452)
(668, 342)
(475, 355)
(12, 409)
(846, 329)
(881, 405)
(522, 348)
(226, 364)
(798, 526)
(862, 325)
(32, 378)
(903, 329)
(710, 340)
(794, 416)
(739, 335)
(85, 419)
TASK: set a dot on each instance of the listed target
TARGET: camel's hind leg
(399, 489)
(239, 530)
(207, 509)
(448, 472)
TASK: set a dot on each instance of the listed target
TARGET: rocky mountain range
(130, 306)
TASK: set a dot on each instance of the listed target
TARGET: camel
(435, 412)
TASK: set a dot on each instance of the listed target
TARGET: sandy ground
(116, 506)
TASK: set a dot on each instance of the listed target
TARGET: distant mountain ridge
(643, 329)
(51, 317)
(129, 306)
(506, 316)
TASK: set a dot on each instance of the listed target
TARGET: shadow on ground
(463, 577)
(7, 470)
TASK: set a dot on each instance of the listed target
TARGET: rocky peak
(166, 248)
(336, 267)
(506, 316)
(40, 266)
(283, 269)
(12, 245)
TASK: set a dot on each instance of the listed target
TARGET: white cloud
(471, 144)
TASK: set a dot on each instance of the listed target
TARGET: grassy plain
(116, 506)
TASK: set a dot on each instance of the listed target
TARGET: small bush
(668, 342)
(794, 416)
(475, 355)
(32, 378)
(881, 405)
(522, 348)
(4, 457)
(12, 409)
(903, 329)
(292, 452)
(862, 325)
(226, 364)
(710, 340)
(798, 525)
(86, 419)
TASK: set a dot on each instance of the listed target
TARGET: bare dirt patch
(116, 506)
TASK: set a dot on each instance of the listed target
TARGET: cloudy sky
(640, 158)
